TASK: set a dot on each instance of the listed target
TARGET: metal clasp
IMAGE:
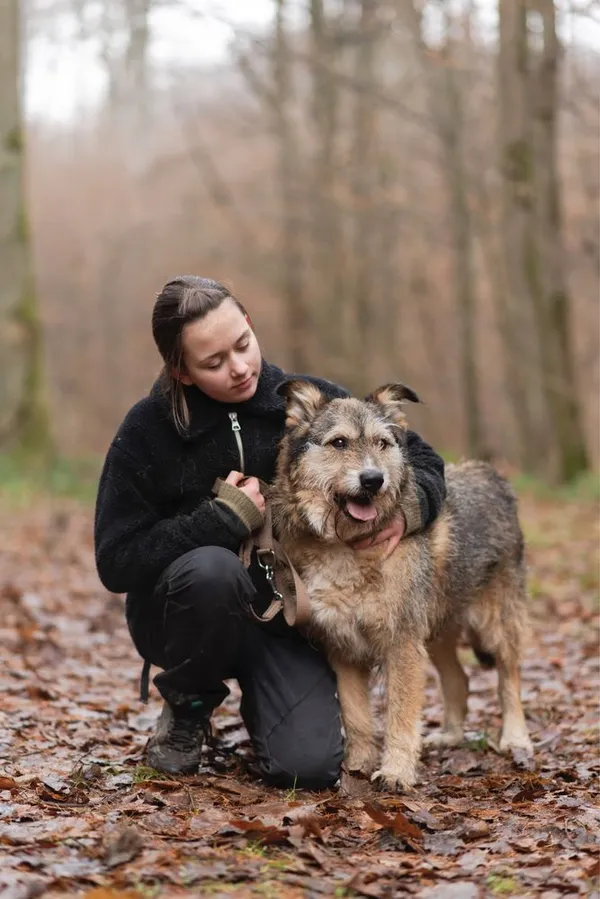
(269, 570)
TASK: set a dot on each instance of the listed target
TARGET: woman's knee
(208, 571)
(314, 774)
(317, 768)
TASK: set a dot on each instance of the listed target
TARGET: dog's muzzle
(371, 480)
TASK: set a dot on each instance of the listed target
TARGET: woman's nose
(238, 366)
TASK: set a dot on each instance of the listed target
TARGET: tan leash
(289, 594)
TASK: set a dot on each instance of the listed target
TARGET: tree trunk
(533, 242)
(442, 78)
(23, 415)
(298, 316)
(363, 175)
(328, 290)
(518, 228)
(559, 376)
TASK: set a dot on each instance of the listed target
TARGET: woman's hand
(392, 535)
(249, 486)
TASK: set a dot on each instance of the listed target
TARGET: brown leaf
(7, 783)
(311, 850)
(161, 785)
(399, 825)
(358, 884)
(473, 829)
(122, 846)
(107, 893)
(529, 793)
(310, 825)
(458, 890)
(266, 833)
(593, 870)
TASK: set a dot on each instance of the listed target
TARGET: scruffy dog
(342, 473)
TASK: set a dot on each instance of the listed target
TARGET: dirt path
(79, 813)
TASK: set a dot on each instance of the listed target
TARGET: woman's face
(221, 355)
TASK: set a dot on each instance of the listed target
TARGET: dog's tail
(486, 659)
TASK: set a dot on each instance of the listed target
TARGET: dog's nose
(371, 479)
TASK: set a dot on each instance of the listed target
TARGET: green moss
(14, 142)
(501, 885)
(22, 226)
(518, 162)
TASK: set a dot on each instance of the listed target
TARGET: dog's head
(342, 461)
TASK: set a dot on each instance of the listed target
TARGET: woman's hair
(185, 299)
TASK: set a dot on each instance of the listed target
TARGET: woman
(166, 541)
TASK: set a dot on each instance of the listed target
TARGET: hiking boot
(176, 745)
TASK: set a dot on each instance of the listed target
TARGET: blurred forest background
(395, 189)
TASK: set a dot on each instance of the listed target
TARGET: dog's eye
(339, 443)
(384, 444)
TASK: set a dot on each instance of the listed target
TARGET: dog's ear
(303, 401)
(391, 397)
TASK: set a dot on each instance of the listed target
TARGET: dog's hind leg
(355, 702)
(514, 737)
(499, 623)
(454, 685)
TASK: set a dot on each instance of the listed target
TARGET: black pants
(198, 628)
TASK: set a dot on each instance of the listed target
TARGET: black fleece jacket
(154, 498)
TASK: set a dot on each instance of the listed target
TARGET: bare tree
(328, 282)
(291, 268)
(23, 415)
(363, 177)
(446, 88)
(547, 277)
(532, 239)
(518, 227)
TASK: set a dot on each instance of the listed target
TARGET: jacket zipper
(237, 430)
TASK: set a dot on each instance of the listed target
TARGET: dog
(342, 474)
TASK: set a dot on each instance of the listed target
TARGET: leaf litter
(81, 814)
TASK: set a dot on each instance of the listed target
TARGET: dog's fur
(463, 574)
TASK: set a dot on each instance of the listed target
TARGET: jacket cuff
(236, 500)
(411, 506)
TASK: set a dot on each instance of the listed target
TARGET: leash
(289, 593)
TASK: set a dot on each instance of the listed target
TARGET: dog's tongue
(361, 513)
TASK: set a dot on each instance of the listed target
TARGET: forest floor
(81, 815)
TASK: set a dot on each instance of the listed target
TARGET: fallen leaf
(474, 829)
(8, 783)
(106, 893)
(122, 846)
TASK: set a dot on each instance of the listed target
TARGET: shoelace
(185, 733)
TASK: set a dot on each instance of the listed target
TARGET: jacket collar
(206, 413)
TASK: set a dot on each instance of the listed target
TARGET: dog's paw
(395, 780)
(361, 760)
(443, 738)
(519, 746)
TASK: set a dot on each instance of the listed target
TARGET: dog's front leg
(405, 671)
(353, 690)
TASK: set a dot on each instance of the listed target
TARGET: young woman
(163, 538)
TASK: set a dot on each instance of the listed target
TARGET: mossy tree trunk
(24, 424)
(549, 281)
(533, 240)
(447, 89)
(293, 236)
(332, 317)
(516, 161)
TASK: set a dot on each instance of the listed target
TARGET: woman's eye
(339, 443)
